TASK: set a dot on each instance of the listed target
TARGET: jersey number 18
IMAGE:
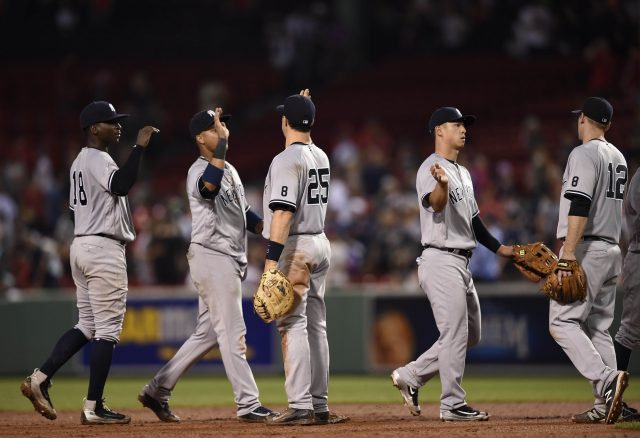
(78, 186)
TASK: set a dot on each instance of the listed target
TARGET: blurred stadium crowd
(160, 62)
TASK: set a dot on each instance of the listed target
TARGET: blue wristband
(212, 174)
(274, 250)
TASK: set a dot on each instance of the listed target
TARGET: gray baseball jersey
(631, 212)
(446, 280)
(298, 177)
(219, 224)
(450, 228)
(96, 210)
(628, 333)
(98, 264)
(217, 262)
(597, 171)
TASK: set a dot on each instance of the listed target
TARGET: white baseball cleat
(37, 391)
(464, 413)
(409, 393)
(98, 413)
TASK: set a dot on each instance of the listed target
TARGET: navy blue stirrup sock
(69, 344)
(623, 355)
(100, 363)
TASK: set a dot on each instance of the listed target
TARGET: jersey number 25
(318, 189)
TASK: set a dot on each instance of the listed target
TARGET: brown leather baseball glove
(274, 297)
(534, 260)
(573, 288)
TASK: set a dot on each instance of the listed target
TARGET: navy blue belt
(589, 238)
(462, 252)
(121, 242)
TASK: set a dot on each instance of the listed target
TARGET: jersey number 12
(620, 181)
(78, 186)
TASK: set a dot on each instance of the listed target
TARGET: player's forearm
(280, 224)
(278, 234)
(254, 221)
(575, 229)
(439, 197)
(124, 178)
(217, 161)
(483, 235)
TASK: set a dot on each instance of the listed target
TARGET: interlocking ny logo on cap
(211, 113)
(113, 110)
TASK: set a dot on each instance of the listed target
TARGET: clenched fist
(144, 135)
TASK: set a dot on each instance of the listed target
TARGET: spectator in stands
(212, 93)
(532, 30)
(142, 105)
(454, 26)
(603, 68)
(370, 159)
(8, 215)
(167, 249)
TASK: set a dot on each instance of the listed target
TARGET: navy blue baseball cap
(597, 109)
(202, 120)
(448, 114)
(99, 111)
(299, 110)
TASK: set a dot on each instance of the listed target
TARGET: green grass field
(67, 392)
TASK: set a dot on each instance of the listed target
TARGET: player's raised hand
(144, 135)
(305, 93)
(439, 174)
(221, 128)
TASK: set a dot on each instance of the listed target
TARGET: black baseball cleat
(613, 396)
(38, 392)
(409, 393)
(98, 413)
(258, 415)
(328, 417)
(464, 413)
(161, 409)
(293, 417)
(590, 416)
(628, 414)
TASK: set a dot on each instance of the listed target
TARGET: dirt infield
(521, 420)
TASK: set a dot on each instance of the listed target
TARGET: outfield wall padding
(369, 330)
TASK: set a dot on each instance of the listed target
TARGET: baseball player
(450, 229)
(296, 193)
(102, 227)
(628, 336)
(218, 262)
(589, 223)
